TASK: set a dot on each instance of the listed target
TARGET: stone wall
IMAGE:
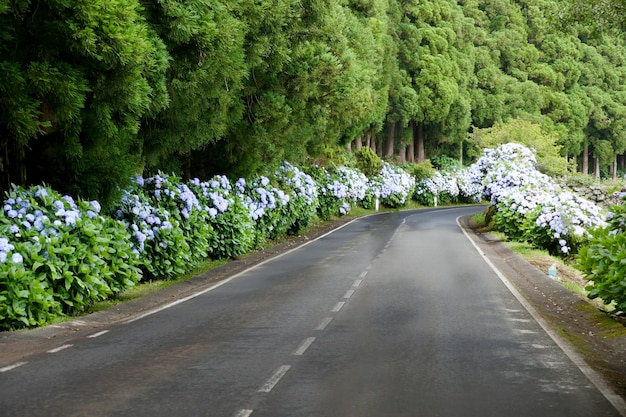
(597, 193)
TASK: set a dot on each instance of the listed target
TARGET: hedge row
(58, 256)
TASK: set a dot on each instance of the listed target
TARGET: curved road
(392, 315)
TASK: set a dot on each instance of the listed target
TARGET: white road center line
(60, 348)
(363, 274)
(357, 283)
(98, 334)
(244, 413)
(348, 294)
(15, 365)
(303, 346)
(325, 322)
(337, 307)
(275, 378)
(232, 277)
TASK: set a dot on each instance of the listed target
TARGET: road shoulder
(569, 315)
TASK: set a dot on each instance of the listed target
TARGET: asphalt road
(391, 315)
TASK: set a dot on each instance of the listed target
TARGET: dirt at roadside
(596, 335)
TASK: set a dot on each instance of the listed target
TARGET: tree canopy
(93, 92)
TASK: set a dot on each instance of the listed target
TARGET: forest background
(93, 92)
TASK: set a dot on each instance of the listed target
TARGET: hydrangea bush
(169, 193)
(393, 186)
(603, 260)
(229, 217)
(441, 186)
(59, 256)
(156, 234)
(530, 206)
(303, 192)
(267, 206)
(334, 195)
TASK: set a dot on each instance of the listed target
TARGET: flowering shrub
(334, 197)
(156, 235)
(443, 186)
(303, 194)
(469, 182)
(228, 216)
(357, 186)
(530, 206)
(562, 224)
(268, 207)
(393, 186)
(59, 256)
(167, 192)
(603, 260)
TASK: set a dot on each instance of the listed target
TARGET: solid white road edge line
(275, 378)
(596, 379)
(15, 365)
(227, 280)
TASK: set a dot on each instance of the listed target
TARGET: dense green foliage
(58, 256)
(92, 92)
(603, 261)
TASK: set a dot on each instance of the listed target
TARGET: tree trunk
(368, 140)
(391, 133)
(349, 147)
(585, 167)
(461, 153)
(597, 167)
(186, 166)
(419, 137)
(358, 143)
(379, 149)
(410, 150)
(614, 168)
(402, 153)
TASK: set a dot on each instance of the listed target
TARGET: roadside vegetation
(61, 257)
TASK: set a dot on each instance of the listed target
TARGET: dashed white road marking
(524, 331)
(98, 334)
(243, 413)
(275, 378)
(325, 322)
(15, 365)
(232, 277)
(306, 343)
(60, 348)
(338, 307)
(357, 283)
(348, 294)
(363, 274)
